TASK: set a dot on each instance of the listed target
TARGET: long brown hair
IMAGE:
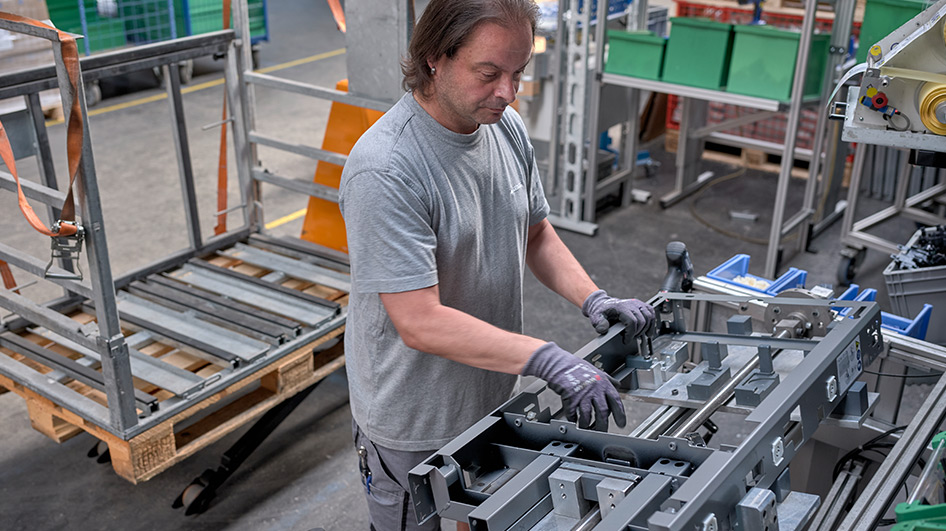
(446, 25)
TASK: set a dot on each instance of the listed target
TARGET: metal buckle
(66, 248)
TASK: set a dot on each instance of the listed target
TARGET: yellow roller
(932, 96)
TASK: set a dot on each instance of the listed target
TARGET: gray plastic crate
(909, 289)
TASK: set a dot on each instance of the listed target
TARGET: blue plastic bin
(738, 266)
(915, 328)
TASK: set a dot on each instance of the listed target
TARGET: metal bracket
(66, 248)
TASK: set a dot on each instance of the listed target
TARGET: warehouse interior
(664, 171)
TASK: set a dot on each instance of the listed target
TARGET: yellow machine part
(346, 123)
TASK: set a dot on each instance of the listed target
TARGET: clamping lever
(66, 248)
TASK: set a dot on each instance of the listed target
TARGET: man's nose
(507, 89)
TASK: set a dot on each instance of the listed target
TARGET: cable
(699, 195)
(900, 375)
(871, 444)
(692, 207)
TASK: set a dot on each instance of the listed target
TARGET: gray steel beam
(55, 392)
(242, 320)
(144, 367)
(37, 267)
(513, 500)
(258, 296)
(206, 336)
(275, 287)
(299, 149)
(69, 367)
(32, 190)
(289, 266)
(185, 169)
(883, 486)
(791, 139)
(306, 89)
(117, 62)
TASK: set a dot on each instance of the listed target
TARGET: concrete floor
(305, 476)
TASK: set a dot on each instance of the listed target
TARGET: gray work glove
(604, 311)
(584, 389)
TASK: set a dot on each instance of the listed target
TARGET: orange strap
(8, 281)
(70, 58)
(221, 226)
(338, 14)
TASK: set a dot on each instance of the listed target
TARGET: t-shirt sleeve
(538, 204)
(390, 240)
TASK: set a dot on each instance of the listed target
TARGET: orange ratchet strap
(221, 226)
(66, 225)
(338, 14)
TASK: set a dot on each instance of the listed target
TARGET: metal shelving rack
(694, 131)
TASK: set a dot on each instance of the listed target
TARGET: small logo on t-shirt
(516, 188)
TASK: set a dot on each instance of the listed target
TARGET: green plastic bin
(698, 53)
(636, 54)
(763, 62)
(881, 17)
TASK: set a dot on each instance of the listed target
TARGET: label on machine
(850, 364)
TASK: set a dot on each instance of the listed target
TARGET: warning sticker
(850, 364)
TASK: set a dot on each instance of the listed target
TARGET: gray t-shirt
(426, 206)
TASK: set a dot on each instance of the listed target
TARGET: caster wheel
(847, 269)
(851, 260)
(186, 71)
(190, 495)
(99, 452)
(93, 94)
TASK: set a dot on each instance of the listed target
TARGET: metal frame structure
(894, 69)
(572, 183)
(694, 131)
(239, 323)
(523, 467)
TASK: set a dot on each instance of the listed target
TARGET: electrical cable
(899, 375)
(703, 221)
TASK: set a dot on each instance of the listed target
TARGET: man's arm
(555, 266)
(427, 325)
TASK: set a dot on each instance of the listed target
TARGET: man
(444, 209)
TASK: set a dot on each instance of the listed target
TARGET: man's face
(481, 79)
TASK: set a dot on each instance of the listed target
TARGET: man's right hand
(584, 388)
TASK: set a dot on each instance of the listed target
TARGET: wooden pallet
(204, 422)
(157, 449)
(752, 159)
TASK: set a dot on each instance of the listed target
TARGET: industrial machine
(900, 102)
(524, 467)
(789, 378)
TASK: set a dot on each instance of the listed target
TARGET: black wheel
(186, 71)
(847, 269)
(99, 452)
(190, 495)
(851, 259)
(93, 93)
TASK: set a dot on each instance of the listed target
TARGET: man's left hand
(603, 311)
